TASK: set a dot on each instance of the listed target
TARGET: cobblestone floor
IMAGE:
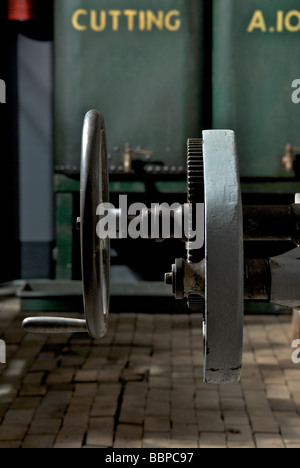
(142, 387)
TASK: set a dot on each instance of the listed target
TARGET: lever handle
(53, 325)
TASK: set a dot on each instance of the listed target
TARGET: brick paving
(142, 387)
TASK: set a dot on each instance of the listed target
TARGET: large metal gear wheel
(195, 194)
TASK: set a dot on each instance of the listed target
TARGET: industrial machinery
(215, 280)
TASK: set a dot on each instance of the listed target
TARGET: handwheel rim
(95, 252)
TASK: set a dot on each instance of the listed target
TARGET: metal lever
(128, 157)
(54, 325)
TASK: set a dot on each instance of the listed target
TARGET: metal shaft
(260, 223)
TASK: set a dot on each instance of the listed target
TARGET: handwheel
(95, 252)
(224, 259)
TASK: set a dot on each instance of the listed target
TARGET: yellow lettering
(142, 21)
(287, 22)
(94, 25)
(257, 22)
(115, 19)
(131, 14)
(280, 16)
(158, 20)
(177, 22)
(75, 18)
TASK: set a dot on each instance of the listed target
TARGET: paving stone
(212, 440)
(70, 438)
(287, 418)
(23, 403)
(132, 415)
(210, 421)
(60, 376)
(157, 424)
(267, 441)
(128, 436)
(239, 434)
(15, 444)
(38, 441)
(264, 422)
(156, 440)
(290, 434)
(32, 390)
(53, 405)
(85, 389)
(185, 431)
(240, 445)
(12, 432)
(86, 376)
(18, 417)
(104, 407)
(183, 443)
(34, 378)
(239, 418)
(155, 407)
(45, 426)
(100, 432)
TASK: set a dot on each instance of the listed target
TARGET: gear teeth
(196, 303)
(195, 189)
(195, 184)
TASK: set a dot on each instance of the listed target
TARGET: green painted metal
(138, 61)
(179, 187)
(288, 187)
(255, 60)
(64, 235)
(64, 183)
(127, 187)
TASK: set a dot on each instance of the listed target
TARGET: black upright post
(9, 205)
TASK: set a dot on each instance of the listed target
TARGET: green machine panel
(138, 61)
(256, 58)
